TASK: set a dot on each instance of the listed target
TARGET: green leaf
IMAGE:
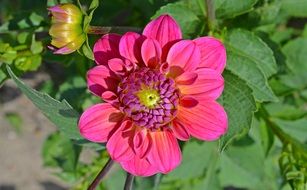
(36, 19)
(59, 151)
(60, 113)
(87, 50)
(233, 8)
(296, 54)
(239, 104)
(296, 129)
(252, 60)
(3, 75)
(285, 111)
(296, 8)
(36, 46)
(186, 18)
(7, 53)
(15, 121)
(196, 157)
(242, 167)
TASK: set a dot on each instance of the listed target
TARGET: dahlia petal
(117, 66)
(119, 144)
(142, 143)
(186, 78)
(164, 29)
(139, 167)
(184, 54)
(151, 53)
(206, 121)
(130, 47)
(98, 121)
(63, 50)
(188, 102)
(208, 85)
(213, 53)
(106, 48)
(109, 96)
(101, 79)
(165, 153)
(180, 131)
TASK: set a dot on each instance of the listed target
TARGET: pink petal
(151, 53)
(98, 121)
(139, 167)
(164, 29)
(208, 85)
(188, 102)
(180, 131)
(120, 145)
(101, 79)
(117, 66)
(142, 143)
(56, 8)
(64, 50)
(213, 53)
(206, 121)
(106, 48)
(186, 78)
(130, 47)
(165, 153)
(184, 54)
(109, 96)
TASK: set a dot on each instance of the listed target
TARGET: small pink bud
(66, 28)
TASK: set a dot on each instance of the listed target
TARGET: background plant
(265, 90)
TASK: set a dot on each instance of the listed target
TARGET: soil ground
(21, 166)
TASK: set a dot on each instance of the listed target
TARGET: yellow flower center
(148, 97)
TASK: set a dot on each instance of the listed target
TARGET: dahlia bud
(66, 29)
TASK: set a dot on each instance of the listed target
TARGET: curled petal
(206, 121)
(142, 143)
(97, 122)
(208, 85)
(164, 29)
(213, 53)
(101, 79)
(184, 54)
(165, 153)
(180, 131)
(120, 144)
(188, 102)
(117, 66)
(109, 96)
(186, 78)
(106, 48)
(151, 53)
(130, 47)
(139, 167)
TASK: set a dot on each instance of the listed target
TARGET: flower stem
(129, 182)
(210, 14)
(101, 174)
(112, 29)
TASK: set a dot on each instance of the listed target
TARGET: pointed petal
(139, 167)
(206, 121)
(120, 144)
(180, 131)
(186, 78)
(164, 29)
(130, 47)
(213, 53)
(208, 85)
(184, 54)
(142, 143)
(188, 102)
(98, 121)
(151, 53)
(106, 48)
(165, 153)
(117, 66)
(101, 79)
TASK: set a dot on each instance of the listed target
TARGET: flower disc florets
(149, 98)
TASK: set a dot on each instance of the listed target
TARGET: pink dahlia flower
(157, 88)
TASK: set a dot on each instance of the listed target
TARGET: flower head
(157, 88)
(66, 29)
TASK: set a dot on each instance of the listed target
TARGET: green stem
(211, 20)
(100, 30)
(101, 174)
(129, 182)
